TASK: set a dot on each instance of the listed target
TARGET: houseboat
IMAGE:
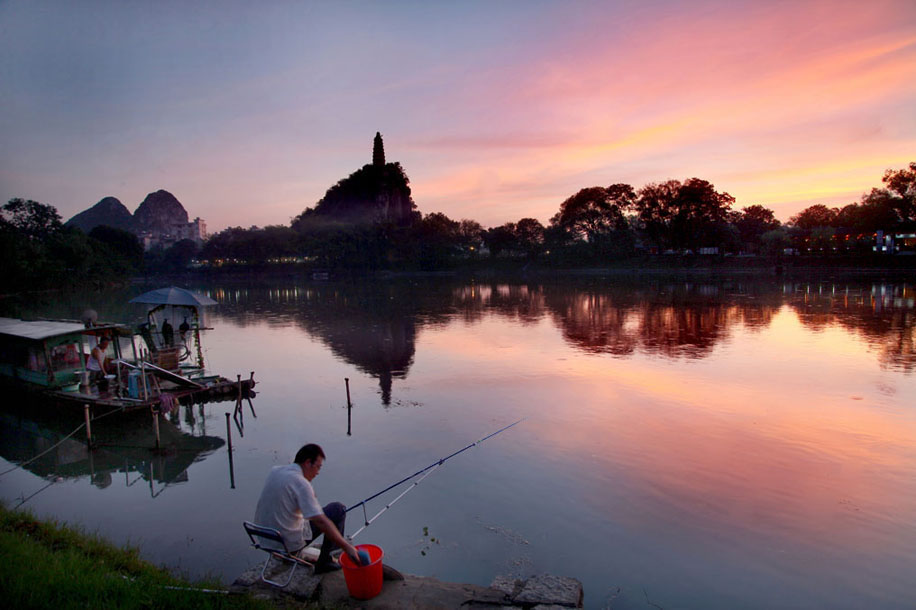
(51, 357)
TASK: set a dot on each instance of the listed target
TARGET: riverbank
(513, 269)
(48, 565)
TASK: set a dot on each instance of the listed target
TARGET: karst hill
(376, 193)
(160, 219)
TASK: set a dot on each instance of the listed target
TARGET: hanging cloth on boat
(167, 402)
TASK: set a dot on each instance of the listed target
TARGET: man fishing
(288, 501)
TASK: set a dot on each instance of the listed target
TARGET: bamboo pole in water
(88, 426)
(349, 405)
(229, 439)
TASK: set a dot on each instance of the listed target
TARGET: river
(686, 442)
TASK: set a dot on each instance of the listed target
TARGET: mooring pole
(156, 428)
(231, 468)
(349, 406)
(143, 379)
(88, 426)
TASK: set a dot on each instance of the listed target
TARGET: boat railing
(145, 366)
(149, 365)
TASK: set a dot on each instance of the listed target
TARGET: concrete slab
(414, 592)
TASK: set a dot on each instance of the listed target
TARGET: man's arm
(330, 530)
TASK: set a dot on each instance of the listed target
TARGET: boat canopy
(174, 296)
(39, 330)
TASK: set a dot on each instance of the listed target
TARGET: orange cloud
(753, 100)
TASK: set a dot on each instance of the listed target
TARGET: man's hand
(352, 553)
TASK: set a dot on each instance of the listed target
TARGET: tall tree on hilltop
(378, 151)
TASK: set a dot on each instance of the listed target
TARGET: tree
(902, 183)
(814, 216)
(823, 239)
(122, 244)
(27, 258)
(752, 222)
(899, 195)
(179, 256)
(32, 219)
(529, 235)
(775, 241)
(500, 239)
(596, 211)
(470, 235)
(370, 195)
(438, 238)
(680, 215)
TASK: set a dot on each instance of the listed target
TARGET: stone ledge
(542, 592)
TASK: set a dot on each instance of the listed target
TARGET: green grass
(46, 565)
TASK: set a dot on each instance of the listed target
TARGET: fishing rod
(425, 472)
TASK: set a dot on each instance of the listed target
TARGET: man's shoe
(323, 567)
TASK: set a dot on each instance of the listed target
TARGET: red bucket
(364, 582)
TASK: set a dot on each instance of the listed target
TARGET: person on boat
(288, 504)
(168, 333)
(183, 329)
(97, 363)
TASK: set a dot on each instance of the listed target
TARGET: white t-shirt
(287, 500)
(95, 355)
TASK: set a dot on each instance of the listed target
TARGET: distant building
(195, 230)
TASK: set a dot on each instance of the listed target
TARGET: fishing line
(425, 472)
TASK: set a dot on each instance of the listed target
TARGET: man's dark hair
(309, 453)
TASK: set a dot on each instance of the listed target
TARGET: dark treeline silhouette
(369, 222)
(37, 251)
(851, 228)
(596, 225)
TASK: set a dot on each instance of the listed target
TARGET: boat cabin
(53, 353)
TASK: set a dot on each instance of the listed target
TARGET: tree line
(37, 251)
(596, 225)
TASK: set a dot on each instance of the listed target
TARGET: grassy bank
(46, 565)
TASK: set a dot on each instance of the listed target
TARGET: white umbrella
(173, 296)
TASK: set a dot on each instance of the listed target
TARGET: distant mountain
(160, 212)
(109, 211)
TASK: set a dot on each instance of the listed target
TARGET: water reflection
(366, 325)
(374, 325)
(722, 443)
(882, 314)
(122, 447)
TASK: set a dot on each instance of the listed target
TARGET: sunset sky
(248, 112)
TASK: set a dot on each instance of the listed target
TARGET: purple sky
(248, 112)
